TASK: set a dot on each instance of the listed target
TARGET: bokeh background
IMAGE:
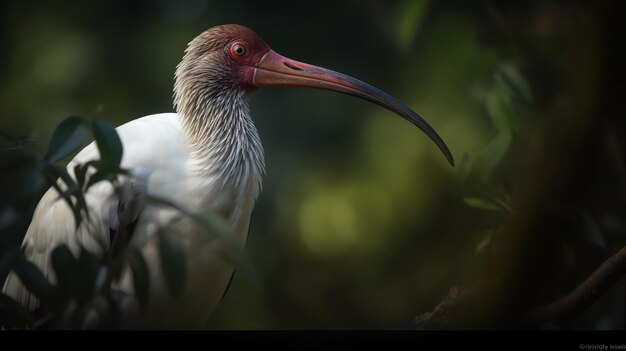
(362, 224)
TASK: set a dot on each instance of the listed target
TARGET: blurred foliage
(83, 293)
(361, 223)
(82, 284)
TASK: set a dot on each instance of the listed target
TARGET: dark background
(361, 222)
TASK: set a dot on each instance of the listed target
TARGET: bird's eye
(237, 50)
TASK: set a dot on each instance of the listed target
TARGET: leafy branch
(83, 295)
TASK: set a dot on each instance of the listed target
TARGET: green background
(362, 224)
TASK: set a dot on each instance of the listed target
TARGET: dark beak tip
(450, 160)
(448, 155)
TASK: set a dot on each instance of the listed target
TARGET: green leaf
(79, 207)
(215, 227)
(141, 276)
(510, 77)
(12, 314)
(172, 260)
(66, 139)
(117, 267)
(97, 177)
(35, 282)
(213, 224)
(109, 144)
(11, 253)
(485, 241)
(86, 274)
(500, 110)
(104, 173)
(80, 172)
(482, 204)
(64, 264)
(34, 183)
(491, 156)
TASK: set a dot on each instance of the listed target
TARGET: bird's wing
(53, 221)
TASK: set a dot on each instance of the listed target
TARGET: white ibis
(207, 157)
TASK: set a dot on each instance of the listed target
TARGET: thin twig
(452, 311)
(572, 305)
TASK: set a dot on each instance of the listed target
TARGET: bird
(206, 156)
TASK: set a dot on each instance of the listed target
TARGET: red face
(243, 54)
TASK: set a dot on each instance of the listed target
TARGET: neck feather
(223, 139)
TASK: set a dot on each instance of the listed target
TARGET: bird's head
(233, 59)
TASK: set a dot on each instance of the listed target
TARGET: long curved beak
(276, 70)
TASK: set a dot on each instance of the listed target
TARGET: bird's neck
(223, 139)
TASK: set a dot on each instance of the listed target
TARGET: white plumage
(163, 165)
